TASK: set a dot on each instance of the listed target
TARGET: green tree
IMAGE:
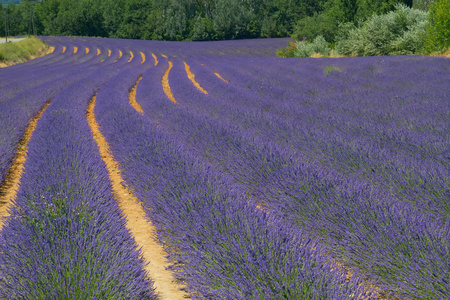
(113, 14)
(203, 29)
(134, 19)
(232, 20)
(2, 21)
(47, 11)
(173, 23)
(324, 23)
(438, 29)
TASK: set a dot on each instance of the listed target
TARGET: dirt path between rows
(141, 228)
(131, 56)
(132, 97)
(218, 75)
(155, 58)
(165, 83)
(191, 76)
(9, 187)
(120, 55)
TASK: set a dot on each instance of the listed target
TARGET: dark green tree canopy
(189, 19)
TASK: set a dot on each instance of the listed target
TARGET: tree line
(188, 19)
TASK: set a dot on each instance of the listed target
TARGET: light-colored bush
(397, 32)
(307, 49)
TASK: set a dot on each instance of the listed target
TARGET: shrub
(324, 23)
(397, 32)
(318, 46)
(437, 37)
(2, 57)
(289, 51)
(421, 4)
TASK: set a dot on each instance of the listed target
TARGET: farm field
(214, 170)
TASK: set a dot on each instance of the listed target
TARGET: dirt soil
(191, 76)
(156, 59)
(132, 98)
(165, 83)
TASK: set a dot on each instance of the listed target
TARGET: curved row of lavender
(66, 237)
(351, 154)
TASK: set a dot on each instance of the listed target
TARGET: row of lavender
(66, 237)
(221, 245)
(401, 246)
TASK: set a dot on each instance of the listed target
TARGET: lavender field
(257, 177)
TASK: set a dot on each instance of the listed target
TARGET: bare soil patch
(191, 76)
(155, 58)
(218, 75)
(165, 83)
(132, 98)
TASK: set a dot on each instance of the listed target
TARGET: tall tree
(134, 18)
(232, 19)
(47, 11)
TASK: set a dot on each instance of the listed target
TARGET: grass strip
(22, 51)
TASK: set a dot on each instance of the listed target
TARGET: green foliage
(289, 51)
(131, 20)
(189, 19)
(20, 51)
(324, 24)
(330, 69)
(421, 4)
(161, 19)
(6, 2)
(203, 30)
(318, 46)
(232, 20)
(397, 32)
(437, 38)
